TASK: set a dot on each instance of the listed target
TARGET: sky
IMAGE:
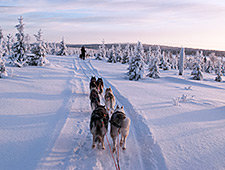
(187, 23)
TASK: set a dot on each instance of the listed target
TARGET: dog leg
(124, 143)
(93, 143)
(121, 141)
(103, 146)
(114, 144)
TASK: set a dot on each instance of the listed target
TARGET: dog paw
(113, 150)
(93, 146)
(103, 147)
(121, 143)
(124, 148)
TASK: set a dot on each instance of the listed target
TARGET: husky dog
(109, 100)
(94, 97)
(92, 82)
(100, 85)
(99, 125)
(120, 124)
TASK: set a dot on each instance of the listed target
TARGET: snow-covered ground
(45, 114)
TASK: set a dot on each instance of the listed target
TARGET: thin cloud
(129, 16)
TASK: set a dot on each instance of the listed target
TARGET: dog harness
(120, 115)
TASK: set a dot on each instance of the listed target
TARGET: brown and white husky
(120, 125)
(109, 100)
(94, 98)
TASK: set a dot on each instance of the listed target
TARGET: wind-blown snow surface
(45, 114)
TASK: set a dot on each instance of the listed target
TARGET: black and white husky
(120, 124)
(109, 100)
(99, 125)
(94, 97)
(100, 85)
(93, 82)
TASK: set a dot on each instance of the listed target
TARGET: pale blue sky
(188, 23)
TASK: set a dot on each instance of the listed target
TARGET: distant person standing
(83, 53)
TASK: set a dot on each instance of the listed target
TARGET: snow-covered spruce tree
(223, 66)
(9, 43)
(219, 72)
(48, 49)
(126, 54)
(62, 48)
(209, 67)
(174, 62)
(102, 50)
(3, 72)
(213, 59)
(3, 43)
(154, 69)
(197, 72)
(27, 43)
(148, 57)
(119, 53)
(39, 49)
(181, 61)
(19, 57)
(131, 58)
(158, 53)
(1, 36)
(137, 66)
(53, 48)
(164, 62)
(112, 55)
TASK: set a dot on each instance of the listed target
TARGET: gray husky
(120, 124)
(99, 125)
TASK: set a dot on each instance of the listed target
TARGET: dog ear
(117, 106)
(122, 107)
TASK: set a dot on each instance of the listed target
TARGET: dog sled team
(102, 115)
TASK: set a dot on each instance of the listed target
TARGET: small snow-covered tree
(164, 62)
(27, 43)
(53, 48)
(174, 61)
(3, 72)
(9, 43)
(136, 68)
(148, 57)
(112, 55)
(39, 49)
(118, 53)
(62, 48)
(1, 36)
(48, 49)
(126, 54)
(197, 72)
(219, 72)
(154, 69)
(209, 67)
(213, 59)
(18, 57)
(102, 49)
(181, 61)
(3, 43)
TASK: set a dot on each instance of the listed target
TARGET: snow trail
(72, 147)
(147, 153)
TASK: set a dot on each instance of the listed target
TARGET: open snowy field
(45, 114)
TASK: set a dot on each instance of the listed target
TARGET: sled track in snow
(142, 151)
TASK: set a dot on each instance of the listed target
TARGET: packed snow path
(71, 145)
